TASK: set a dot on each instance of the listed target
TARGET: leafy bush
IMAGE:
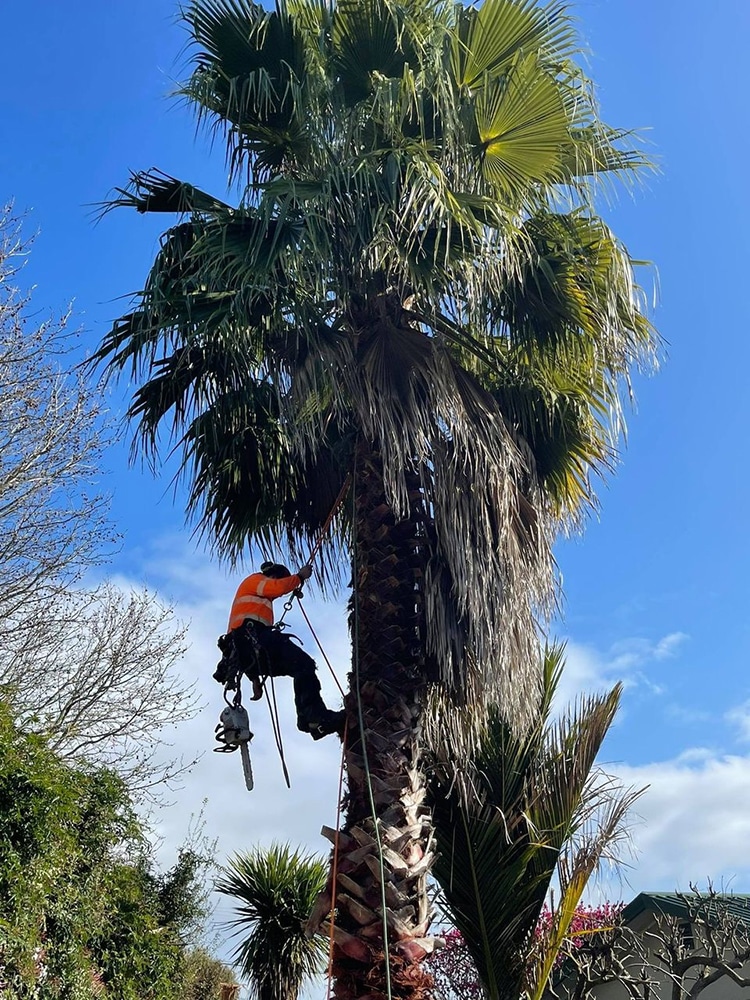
(83, 911)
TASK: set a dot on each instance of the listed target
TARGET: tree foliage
(273, 892)
(52, 510)
(204, 975)
(83, 910)
(533, 812)
(100, 681)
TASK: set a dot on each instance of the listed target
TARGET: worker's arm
(277, 588)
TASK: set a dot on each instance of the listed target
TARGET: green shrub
(83, 911)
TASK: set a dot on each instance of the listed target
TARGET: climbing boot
(323, 724)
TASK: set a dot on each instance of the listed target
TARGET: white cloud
(590, 669)
(687, 715)
(668, 646)
(739, 718)
(692, 824)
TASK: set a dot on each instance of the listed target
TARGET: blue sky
(657, 588)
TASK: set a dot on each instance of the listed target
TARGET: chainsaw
(233, 732)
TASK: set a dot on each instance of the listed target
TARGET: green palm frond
(598, 149)
(368, 40)
(273, 892)
(571, 295)
(246, 482)
(523, 126)
(246, 81)
(536, 808)
(490, 37)
(154, 191)
(556, 420)
(577, 864)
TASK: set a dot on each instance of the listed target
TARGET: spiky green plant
(533, 814)
(273, 891)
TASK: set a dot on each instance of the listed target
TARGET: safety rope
(335, 864)
(273, 711)
(315, 549)
(320, 647)
(334, 510)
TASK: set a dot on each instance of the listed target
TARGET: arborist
(263, 650)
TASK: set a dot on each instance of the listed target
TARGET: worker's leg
(286, 659)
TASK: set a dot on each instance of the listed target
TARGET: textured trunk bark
(382, 762)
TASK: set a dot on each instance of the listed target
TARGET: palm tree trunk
(392, 856)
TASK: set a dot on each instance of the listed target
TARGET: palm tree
(274, 891)
(533, 815)
(413, 290)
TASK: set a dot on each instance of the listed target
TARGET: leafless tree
(614, 954)
(91, 667)
(98, 677)
(700, 939)
(52, 511)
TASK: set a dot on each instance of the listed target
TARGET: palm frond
(245, 480)
(522, 125)
(490, 37)
(535, 808)
(368, 39)
(598, 149)
(248, 66)
(155, 191)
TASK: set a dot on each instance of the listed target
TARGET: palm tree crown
(399, 270)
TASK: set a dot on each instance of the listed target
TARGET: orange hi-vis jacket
(255, 595)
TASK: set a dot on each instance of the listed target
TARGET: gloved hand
(304, 572)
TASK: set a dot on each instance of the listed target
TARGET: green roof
(736, 905)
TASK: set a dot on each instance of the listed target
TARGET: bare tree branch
(703, 939)
(92, 668)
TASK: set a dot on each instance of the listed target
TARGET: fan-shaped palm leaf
(248, 64)
(490, 37)
(523, 126)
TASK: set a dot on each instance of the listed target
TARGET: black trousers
(280, 657)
